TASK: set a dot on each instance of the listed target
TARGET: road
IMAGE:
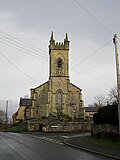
(15, 146)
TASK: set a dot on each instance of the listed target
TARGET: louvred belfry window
(59, 63)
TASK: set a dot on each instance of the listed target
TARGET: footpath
(80, 143)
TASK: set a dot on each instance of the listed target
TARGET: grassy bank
(17, 129)
(111, 143)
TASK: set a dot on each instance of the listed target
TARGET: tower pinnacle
(58, 45)
(66, 38)
(52, 39)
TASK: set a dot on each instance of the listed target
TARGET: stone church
(57, 96)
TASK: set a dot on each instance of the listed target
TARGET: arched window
(59, 101)
(59, 63)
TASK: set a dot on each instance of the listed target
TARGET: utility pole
(6, 114)
(115, 41)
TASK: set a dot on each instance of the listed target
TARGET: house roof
(25, 102)
(91, 109)
(15, 114)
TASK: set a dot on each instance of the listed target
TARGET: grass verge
(17, 129)
(110, 143)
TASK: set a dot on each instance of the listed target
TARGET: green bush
(64, 117)
(17, 128)
(106, 115)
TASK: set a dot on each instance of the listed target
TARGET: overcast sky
(25, 28)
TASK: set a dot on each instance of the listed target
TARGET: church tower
(58, 52)
(59, 75)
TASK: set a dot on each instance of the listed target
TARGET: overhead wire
(26, 46)
(93, 53)
(90, 73)
(81, 37)
(22, 50)
(94, 17)
(77, 67)
(23, 42)
(82, 70)
(32, 50)
(17, 67)
(101, 24)
(21, 47)
(28, 52)
(93, 71)
(93, 77)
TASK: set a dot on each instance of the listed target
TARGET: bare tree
(113, 96)
(99, 101)
(2, 117)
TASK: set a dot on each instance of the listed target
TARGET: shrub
(16, 128)
(106, 115)
(64, 117)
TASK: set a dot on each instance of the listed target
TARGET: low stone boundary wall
(67, 127)
(32, 126)
(104, 130)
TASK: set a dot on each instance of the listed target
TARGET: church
(58, 96)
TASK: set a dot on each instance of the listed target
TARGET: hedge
(106, 115)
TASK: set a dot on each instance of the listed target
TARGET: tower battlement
(59, 45)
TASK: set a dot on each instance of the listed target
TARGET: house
(90, 111)
(24, 103)
(14, 118)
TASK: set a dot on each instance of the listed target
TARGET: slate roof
(40, 85)
(25, 102)
(91, 109)
(76, 86)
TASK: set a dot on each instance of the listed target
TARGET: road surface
(15, 146)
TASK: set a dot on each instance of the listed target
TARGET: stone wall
(32, 126)
(67, 127)
(104, 130)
